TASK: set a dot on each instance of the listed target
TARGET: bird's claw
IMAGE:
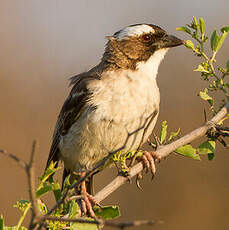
(87, 204)
(88, 201)
(125, 174)
(138, 179)
(148, 160)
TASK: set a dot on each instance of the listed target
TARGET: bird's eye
(146, 38)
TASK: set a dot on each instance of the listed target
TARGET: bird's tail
(53, 157)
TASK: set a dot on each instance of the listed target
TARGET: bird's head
(136, 45)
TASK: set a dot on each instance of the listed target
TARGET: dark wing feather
(76, 100)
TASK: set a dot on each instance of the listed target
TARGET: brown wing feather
(76, 100)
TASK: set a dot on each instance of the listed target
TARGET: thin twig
(31, 182)
(102, 222)
(29, 169)
(69, 220)
(146, 128)
(20, 162)
(135, 223)
(76, 197)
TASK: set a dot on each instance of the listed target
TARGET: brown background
(43, 43)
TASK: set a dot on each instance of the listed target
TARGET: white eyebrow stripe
(134, 31)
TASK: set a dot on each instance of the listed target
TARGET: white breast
(124, 95)
(124, 101)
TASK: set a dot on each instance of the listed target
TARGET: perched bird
(110, 101)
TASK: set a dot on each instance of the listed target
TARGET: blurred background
(43, 43)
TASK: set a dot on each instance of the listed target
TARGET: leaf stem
(23, 217)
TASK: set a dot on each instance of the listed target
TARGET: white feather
(134, 31)
(150, 67)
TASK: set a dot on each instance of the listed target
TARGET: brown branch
(29, 169)
(163, 152)
(31, 182)
(102, 222)
(20, 162)
(69, 220)
(135, 223)
(37, 220)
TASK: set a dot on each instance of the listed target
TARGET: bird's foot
(148, 159)
(87, 204)
(124, 170)
(125, 173)
(87, 201)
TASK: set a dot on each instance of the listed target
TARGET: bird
(111, 101)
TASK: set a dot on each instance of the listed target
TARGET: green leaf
(56, 190)
(1, 223)
(130, 154)
(163, 132)
(49, 171)
(211, 156)
(221, 81)
(107, 212)
(221, 40)
(206, 147)
(188, 151)
(184, 29)
(41, 206)
(206, 97)
(214, 40)
(195, 21)
(225, 29)
(202, 27)
(83, 226)
(47, 187)
(73, 209)
(43, 190)
(228, 64)
(67, 182)
(189, 44)
(200, 68)
(173, 135)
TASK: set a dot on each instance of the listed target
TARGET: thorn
(138, 178)
(138, 184)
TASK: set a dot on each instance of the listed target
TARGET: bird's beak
(171, 41)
